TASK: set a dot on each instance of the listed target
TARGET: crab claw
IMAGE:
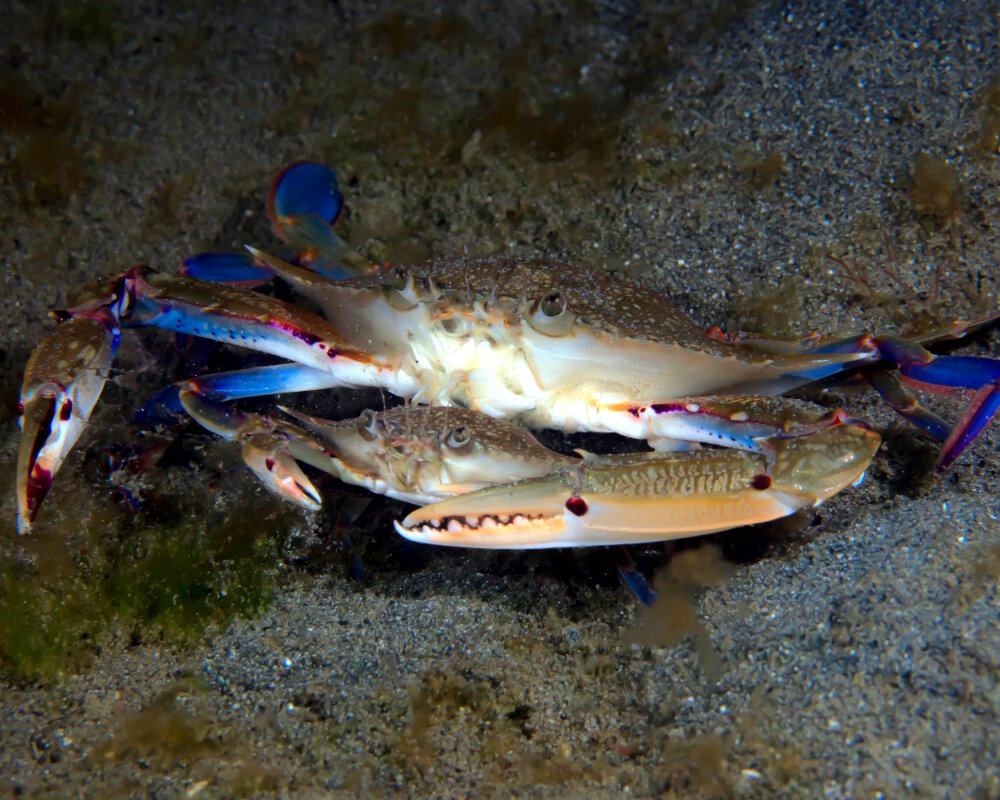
(271, 448)
(62, 381)
(650, 496)
(268, 457)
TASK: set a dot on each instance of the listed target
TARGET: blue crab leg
(303, 206)
(918, 368)
(978, 413)
(239, 269)
(240, 317)
(958, 374)
(236, 316)
(890, 387)
(62, 382)
(921, 369)
(238, 384)
(306, 187)
(749, 423)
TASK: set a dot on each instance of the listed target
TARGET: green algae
(181, 579)
(935, 189)
(986, 140)
(156, 575)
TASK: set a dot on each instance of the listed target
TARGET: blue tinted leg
(224, 386)
(240, 269)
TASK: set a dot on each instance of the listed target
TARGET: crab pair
(537, 342)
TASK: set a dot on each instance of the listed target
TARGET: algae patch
(164, 574)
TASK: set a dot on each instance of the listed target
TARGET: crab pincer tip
(305, 187)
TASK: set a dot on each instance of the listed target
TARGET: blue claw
(305, 187)
(955, 373)
(240, 269)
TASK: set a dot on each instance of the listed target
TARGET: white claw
(266, 455)
(62, 381)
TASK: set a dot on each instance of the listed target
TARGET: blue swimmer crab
(538, 342)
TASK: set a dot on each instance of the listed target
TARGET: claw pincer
(647, 497)
(62, 382)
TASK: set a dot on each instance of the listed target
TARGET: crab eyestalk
(62, 382)
(651, 496)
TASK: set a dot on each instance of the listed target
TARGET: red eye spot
(65, 410)
(577, 505)
(761, 482)
(269, 463)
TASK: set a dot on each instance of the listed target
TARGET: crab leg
(236, 316)
(62, 382)
(303, 206)
(238, 269)
(917, 368)
(745, 423)
(650, 497)
(65, 375)
(921, 369)
(237, 384)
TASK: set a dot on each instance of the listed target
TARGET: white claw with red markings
(62, 382)
(647, 497)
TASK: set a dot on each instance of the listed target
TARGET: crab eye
(398, 279)
(401, 292)
(455, 324)
(368, 422)
(549, 314)
(459, 438)
(553, 304)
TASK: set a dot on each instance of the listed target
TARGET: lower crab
(484, 482)
(539, 342)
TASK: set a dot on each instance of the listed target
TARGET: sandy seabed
(786, 167)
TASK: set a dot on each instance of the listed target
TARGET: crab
(539, 342)
(487, 482)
